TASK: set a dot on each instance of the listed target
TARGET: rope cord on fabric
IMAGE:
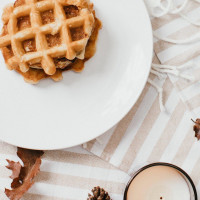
(169, 8)
(165, 7)
(159, 70)
(173, 70)
(160, 92)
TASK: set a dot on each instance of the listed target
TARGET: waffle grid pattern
(38, 31)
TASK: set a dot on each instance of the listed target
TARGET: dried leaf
(196, 128)
(23, 175)
(15, 167)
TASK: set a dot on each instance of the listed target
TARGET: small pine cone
(98, 194)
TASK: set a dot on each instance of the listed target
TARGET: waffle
(46, 35)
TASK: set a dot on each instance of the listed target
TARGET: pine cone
(98, 194)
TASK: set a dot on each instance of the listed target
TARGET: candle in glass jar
(159, 183)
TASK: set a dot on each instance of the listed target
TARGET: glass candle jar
(160, 181)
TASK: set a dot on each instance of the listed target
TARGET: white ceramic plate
(84, 105)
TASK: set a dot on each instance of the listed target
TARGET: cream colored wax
(159, 183)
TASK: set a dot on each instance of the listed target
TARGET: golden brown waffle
(37, 33)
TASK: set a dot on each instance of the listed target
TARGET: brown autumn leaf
(15, 167)
(196, 128)
(23, 175)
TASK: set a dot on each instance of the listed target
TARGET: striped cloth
(66, 175)
(145, 135)
(172, 26)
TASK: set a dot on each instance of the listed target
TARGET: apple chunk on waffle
(46, 36)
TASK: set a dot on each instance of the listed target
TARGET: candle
(160, 182)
